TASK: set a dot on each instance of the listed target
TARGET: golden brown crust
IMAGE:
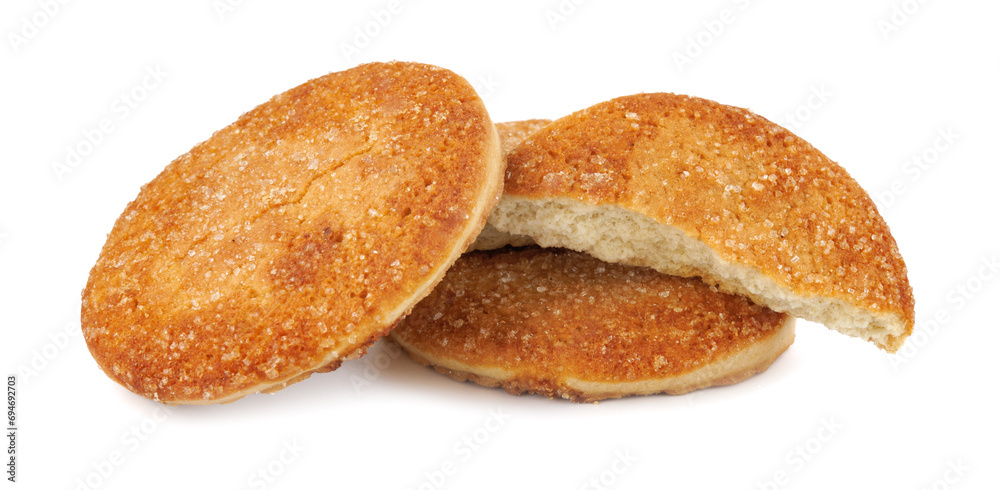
(751, 190)
(558, 322)
(294, 236)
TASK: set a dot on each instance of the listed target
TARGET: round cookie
(692, 187)
(565, 324)
(295, 237)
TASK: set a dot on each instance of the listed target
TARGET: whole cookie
(565, 324)
(294, 237)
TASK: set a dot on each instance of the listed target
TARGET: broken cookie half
(694, 188)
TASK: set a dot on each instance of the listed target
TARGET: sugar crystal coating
(548, 314)
(755, 193)
(292, 237)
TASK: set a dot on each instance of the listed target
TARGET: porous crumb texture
(782, 222)
(565, 324)
(512, 133)
(294, 237)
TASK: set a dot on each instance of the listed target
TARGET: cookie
(565, 324)
(692, 187)
(295, 237)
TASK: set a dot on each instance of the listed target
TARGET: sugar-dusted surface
(293, 237)
(753, 192)
(546, 316)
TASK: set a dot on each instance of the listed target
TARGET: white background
(832, 412)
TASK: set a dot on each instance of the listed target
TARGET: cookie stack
(653, 243)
